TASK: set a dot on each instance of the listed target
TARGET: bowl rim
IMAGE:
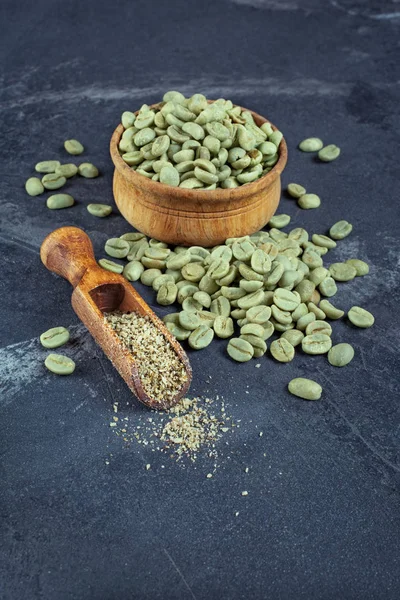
(218, 195)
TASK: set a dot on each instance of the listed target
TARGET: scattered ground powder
(190, 428)
(161, 371)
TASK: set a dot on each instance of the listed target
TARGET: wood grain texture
(68, 252)
(195, 217)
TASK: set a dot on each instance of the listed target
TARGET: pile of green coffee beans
(267, 283)
(55, 176)
(192, 144)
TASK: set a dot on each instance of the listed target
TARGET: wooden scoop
(68, 252)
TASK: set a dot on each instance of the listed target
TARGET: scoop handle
(68, 252)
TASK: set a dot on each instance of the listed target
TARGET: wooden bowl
(195, 217)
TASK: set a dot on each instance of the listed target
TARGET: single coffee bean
(342, 272)
(206, 317)
(189, 320)
(317, 343)
(221, 306)
(167, 293)
(300, 311)
(161, 280)
(179, 332)
(223, 327)
(311, 145)
(331, 311)
(73, 147)
(360, 266)
(68, 170)
(110, 265)
(286, 300)
(191, 305)
(323, 240)
(128, 119)
(201, 337)
(340, 355)
(240, 350)
(340, 230)
(329, 153)
(88, 170)
(282, 350)
(47, 166)
(34, 186)
(252, 329)
(328, 287)
(117, 248)
(360, 317)
(52, 181)
(57, 201)
(308, 201)
(319, 314)
(307, 389)
(295, 190)
(60, 364)
(304, 321)
(279, 221)
(54, 337)
(99, 210)
(258, 314)
(318, 326)
(293, 336)
(251, 300)
(318, 275)
(149, 275)
(169, 176)
(259, 346)
(133, 270)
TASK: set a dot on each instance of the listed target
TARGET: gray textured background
(322, 516)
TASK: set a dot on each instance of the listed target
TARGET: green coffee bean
(161, 280)
(330, 311)
(279, 221)
(233, 293)
(167, 293)
(300, 311)
(221, 306)
(328, 287)
(340, 230)
(323, 241)
(88, 170)
(60, 364)
(133, 270)
(293, 336)
(240, 350)
(281, 316)
(57, 201)
(47, 166)
(203, 298)
(342, 271)
(258, 314)
(250, 286)
(110, 265)
(68, 170)
(133, 158)
(329, 153)
(171, 318)
(268, 330)
(311, 145)
(34, 186)
(144, 136)
(52, 181)
(193, 272)
(303, 321)
(223, 327)
(316, 343)
(179, 332)
(251, 300)
(99, 210)
(318, 275)
(152, 263)
(319, 314)
(73, 147)
(360, 317)
(305, 288)
(307, 389)
(128, 119)
(149, 275)
(201, 337)
(157, 253)
(206, 318)
(189, 320)
(191, 305)
(308, 201)
(259, 346)
(286, 300)
(260, 261)
(117, 248)
(318, 326)
(282, 350)
(340, 355)
(170, 176)
(360, 266)
(252, 329)
(54, 337)
(186, 290)
(296, 190)
(177, 261)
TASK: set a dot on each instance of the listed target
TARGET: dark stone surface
(322, 516)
